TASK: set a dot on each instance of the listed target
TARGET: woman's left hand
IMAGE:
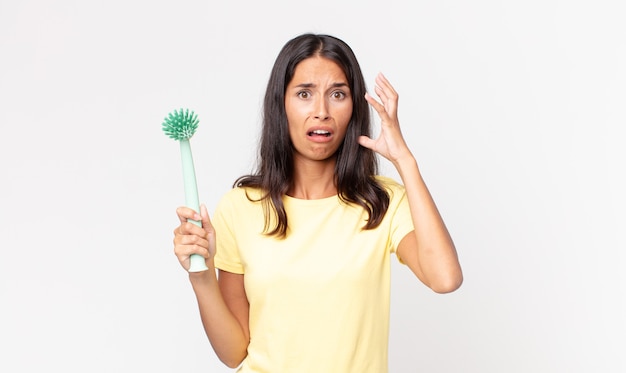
(390, 142)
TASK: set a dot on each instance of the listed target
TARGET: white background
(514, 110)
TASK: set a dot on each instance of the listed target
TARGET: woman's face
(318, 103)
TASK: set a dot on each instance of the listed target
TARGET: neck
(313, 180)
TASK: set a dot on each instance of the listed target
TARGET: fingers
(186, 213)
(388, 96)
(188, 228)
(189, 233)
(375, 104)
(390, 143)
(187, 247)
(367, 142)
(204, 216)
(210, 231)
(190, 238)
(385, 87)
(197, 244)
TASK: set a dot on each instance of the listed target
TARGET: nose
(321, 109)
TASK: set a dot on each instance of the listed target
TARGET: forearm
(226, 335)
(435, 257)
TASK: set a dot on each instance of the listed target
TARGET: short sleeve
(401, 221)
(227, 257)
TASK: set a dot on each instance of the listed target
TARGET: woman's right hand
(192, 239)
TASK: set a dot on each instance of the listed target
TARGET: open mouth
(319, 133)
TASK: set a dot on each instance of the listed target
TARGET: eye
(338, 95)
(303, 94)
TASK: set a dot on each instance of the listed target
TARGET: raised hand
(390, 142)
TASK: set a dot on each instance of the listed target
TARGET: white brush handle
(196, 262)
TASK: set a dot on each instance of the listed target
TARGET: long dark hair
(356, 166)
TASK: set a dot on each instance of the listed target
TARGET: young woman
(303, 246)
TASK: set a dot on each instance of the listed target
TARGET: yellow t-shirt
(319, 299)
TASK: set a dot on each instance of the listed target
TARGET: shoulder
(239, 213)
(246, 193)
(239, 192)
(240, 198)
(238, 202)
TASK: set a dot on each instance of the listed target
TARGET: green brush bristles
(180, 125)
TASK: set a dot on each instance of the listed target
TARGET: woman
(303, 246)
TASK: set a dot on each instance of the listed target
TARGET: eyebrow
(310, 85)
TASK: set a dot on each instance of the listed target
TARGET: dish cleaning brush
(180, 125)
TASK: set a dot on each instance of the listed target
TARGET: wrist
(406, 163)
(203, 277)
